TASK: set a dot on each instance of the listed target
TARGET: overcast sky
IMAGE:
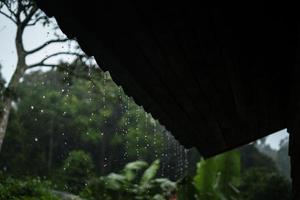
(36, 36)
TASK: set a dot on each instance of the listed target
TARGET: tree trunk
(8, 97)
(4, 119)
(9, 92)
(295, 163)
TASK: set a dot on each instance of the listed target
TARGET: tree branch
(9, 17)
(9, 9)
(45, 44)
(26, 7)
(36, 20)
(41, 65)
(86, 77)
(18, 14)
(81, 76)
(42, 62)
(29, 16)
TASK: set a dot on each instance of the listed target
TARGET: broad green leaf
(150, 173)
(131, 169)
(114, 181)
(218, 177)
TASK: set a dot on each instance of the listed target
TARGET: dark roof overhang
(216, 75)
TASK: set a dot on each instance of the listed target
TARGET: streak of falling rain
(104, 90)
(146, 136)
(179, 168)
(186, 161)
(155, 140)
(124, 130)
(163, 158)
(138, 146)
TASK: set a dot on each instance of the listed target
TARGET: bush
(77, 169)
(30, 189)
(135, 182)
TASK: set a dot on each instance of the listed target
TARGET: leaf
(166, 185)
(228, 168)
(131, 169)
(218, 177)
(205, 179)
(150, 173)
(158, 197)
(114, 181)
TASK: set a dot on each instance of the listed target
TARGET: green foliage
(218, 177)
(59, 111)
(228, 174)
(205, 178)
(30, 189)
(150, 173)
(77, 169)
(130, 185)
(261, 184)
(131, 169)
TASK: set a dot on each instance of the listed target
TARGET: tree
(24, 13)
(260, 183)
(252, 157)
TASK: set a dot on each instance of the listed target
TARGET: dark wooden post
(293, 124)
(294, 153)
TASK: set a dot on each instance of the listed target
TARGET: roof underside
(217, 77)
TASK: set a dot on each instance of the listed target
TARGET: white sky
(36, 36)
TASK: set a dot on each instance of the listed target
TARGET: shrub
(77, 169)
(29, 189)
(135, 182)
